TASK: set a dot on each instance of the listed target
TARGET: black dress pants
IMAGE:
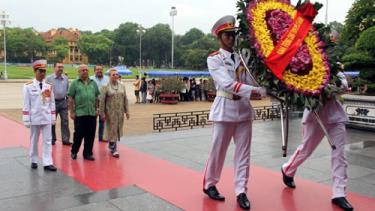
(84, 128)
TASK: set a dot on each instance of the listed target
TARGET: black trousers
(84, 128)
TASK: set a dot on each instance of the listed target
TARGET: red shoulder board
(214, 53)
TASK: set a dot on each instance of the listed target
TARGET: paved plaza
(163, 171)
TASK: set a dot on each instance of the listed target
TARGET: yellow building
(72, 35)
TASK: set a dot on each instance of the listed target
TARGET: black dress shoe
(53, 142)
(243, 201)
(90, 158)
(50, 168)
(67, 143)
(342, 203)
(73, 156)
(213, 193)
(34, 165)
(288, 181)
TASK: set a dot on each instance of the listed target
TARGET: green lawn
(22, 72)
(19, 72)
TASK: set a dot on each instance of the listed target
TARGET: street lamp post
(140, 30)
(5, 21)
(172, 14)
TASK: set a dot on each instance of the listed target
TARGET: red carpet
(179, 185)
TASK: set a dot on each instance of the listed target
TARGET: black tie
(232, 57)
(41, 86)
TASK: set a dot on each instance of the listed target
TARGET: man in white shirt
(100, 80)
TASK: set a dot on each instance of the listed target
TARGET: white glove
(53, 122)
(262, 91)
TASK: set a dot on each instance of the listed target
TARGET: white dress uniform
(232, 115)
(334, 118)
(39, 115)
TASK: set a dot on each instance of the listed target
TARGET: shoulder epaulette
(49, 83)
(30, 82)
(214, 53)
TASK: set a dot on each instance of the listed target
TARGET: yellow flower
(311, 81)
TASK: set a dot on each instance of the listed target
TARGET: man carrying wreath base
(334, 118)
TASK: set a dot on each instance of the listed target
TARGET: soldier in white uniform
(39, 115)
(231, 113)
(334, 118)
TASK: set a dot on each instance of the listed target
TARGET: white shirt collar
(36, 82)
(226, 53)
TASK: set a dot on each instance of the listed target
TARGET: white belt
(224, 94)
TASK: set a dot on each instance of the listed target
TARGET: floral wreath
(270, 28)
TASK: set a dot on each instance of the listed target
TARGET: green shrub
(370, 89)
(366, 41)
(358, 60)
(171, 85)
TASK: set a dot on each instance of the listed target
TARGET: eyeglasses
(115, 74)
(42, 70)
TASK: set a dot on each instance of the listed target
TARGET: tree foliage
(107, 46)
(96, 47)
(126, 43)
(360, 17)
(191, 36)
(24, 45)
(157, 44)
(59, 48)
(366, 41)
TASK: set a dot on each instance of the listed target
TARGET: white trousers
(222, 135)
(35, 130)
(312, 136)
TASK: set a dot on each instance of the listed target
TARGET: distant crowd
(149, 91)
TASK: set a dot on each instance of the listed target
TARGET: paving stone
(143, 202)
(102, 206)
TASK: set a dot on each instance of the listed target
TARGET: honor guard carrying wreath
(39, 115)
(231, 113)
(334, 119)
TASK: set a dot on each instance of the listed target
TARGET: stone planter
(168, 98)
(255, 95)
(360, 111)
(211, 96)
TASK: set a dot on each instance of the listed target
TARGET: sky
(95, 15)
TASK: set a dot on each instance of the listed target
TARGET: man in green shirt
(83, 106)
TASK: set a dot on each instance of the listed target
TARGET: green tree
(195, 54)
(96, 47)
(157, 44)
(126, 43)
(195, 59)
(24, 45)
(191, 36)
(362, 57)
(360, 17)
(60, 48)
(366, 41)
(336, 26)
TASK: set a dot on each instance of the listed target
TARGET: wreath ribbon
(290, 42)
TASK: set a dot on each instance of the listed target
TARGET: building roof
(72, 35)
